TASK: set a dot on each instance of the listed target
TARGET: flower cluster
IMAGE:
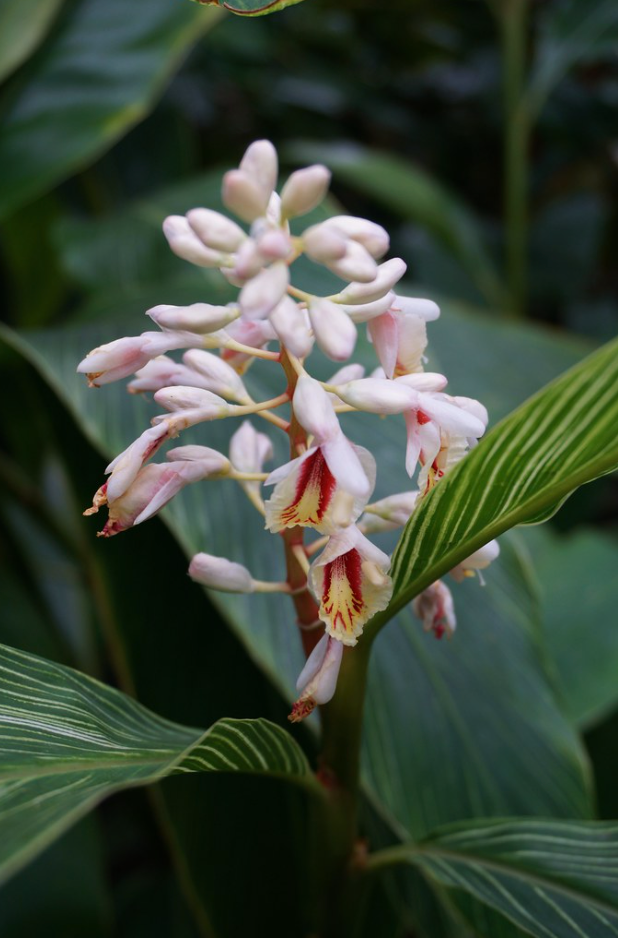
(340, 579)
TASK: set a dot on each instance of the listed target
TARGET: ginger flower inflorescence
(340, 579)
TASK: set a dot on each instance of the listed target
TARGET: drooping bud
(304, 190)
(222, 574)
(200, 318)
(476, 562)
(291, 325)
(436, 610)
(125, 467)
(318, 679)
(334, 331)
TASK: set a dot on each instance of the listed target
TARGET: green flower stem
(513, 20)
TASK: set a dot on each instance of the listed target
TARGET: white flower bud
(211, 461)
(334, 331)
(314, 410)
(318, 679)
(185, 243)
(357, 264)
(219, 377)
(323, 244)
(221, 574)
(261, 165)
(201, 318)
(424, 309)
(242, 195)
(304, 190)
(261, 294)
(125, 467)
(124, 357)
(421, 381)
(376, 396)
(274, 245)
(162, 372)
(181, 398)
(388, 274)
(215, 230)
(389, 513)
(373, 237)
(364, 312)
(477, 561)
(249, 449)
(290, 323)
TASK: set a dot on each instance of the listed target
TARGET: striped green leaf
(553, 879)
(561, 438)
(68, 741)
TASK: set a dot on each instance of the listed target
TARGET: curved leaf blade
(554, 879)
(107, 69)
(23, 25)
(560, 439)
(68, 741)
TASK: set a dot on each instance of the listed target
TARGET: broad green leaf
(576, 574)
(572, 32)
(107, 70)
(554, 879)
(68, 742)
(412, 193)
(561, 438)
(468, 727)
(63, 892)
(250, 7)
(23, 25)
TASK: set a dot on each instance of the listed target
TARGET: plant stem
(513, 19)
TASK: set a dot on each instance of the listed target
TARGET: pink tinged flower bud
(426, 310)
(318, 679)
(350, 581)
(412, 344)
(314, 410)
(421, 381)
(125, 467)
(243, 196)
(384, 335)
(304, 190)
(326, 488)
(254, 334)
(291, 325)
(217, 376)
(476, 562)
(162, 372)
(388, 274)
(364, 312)
(376, 396)
(218, 573)
(324, 244)
(249, 449)
(436, 610)
(183, 398)
(390, 512)
(260, 295)
(473, 407)
(123, 357)
(199, 318)
(357, 264)
(215, 230)
(185, 243)
(449, 416)
(334, 331)
(274, 245)
(372, 236)
(260, 163)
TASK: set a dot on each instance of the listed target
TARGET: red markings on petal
(342, 596)
(314, 492)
